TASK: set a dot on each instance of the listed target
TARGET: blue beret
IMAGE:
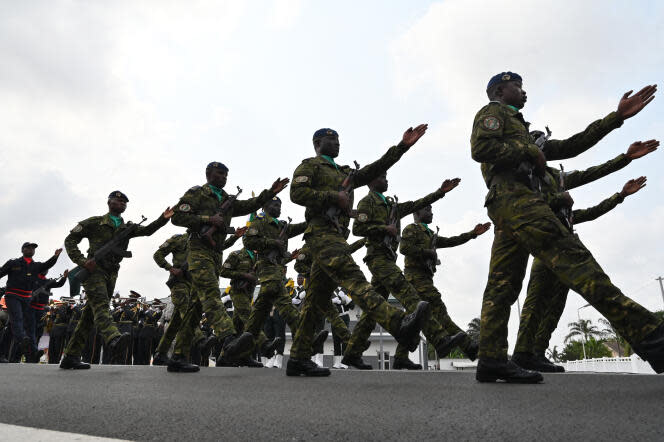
(217, 165)
(118, 194)
(320, 133)
(502, 78)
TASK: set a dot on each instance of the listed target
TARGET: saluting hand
(411, 135)
(632, 105)
(279, 185)
(640, 149)
(481, 228)
(633, 186)
(448, 185)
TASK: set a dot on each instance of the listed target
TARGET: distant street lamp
(583, 336)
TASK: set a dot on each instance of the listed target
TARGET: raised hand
(411, 136)
(279, 185)
(58, 251)
(631, 105)
(481, 228)
(294, 254)
(240, 231)
(450, 184)
(633, 186)
(640, 149)
(168, 213)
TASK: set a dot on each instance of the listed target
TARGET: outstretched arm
(412, 206)
(454, 241)
(592, 213)
(245, 207)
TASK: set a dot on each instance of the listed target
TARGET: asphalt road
(147, 403)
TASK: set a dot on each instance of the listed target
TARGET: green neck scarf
(217, 191)
(515, 109)
(117, 221)
(251, 254)
(426, 226)
(382, 197)
(276, 221)
(330, 160)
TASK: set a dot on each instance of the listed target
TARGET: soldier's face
(117, 205)
(273, 208)
(329, 145)
(426, 215)
(379, 184)
(300, 280)
(513, 94)
(217, 177)
(28, 252)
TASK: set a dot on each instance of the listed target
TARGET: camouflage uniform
(271, 271)
(546, 297)
(373, 215)
(316, 183)
(194, 211)
(415, 239)
(180, 288)
(100, 285)
(242, 291)
(525, 224)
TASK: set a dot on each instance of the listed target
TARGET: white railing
(632, 364)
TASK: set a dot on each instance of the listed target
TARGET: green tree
(594, 349)
(554, 354)
(611, 335)
(583, 328)
(474, 329)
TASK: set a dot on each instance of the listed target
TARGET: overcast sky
(140, 96)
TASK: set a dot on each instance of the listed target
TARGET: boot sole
(321, 374)
(350, 364)
(180, 370)
(489, 378)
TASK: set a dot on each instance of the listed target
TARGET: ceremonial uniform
(547, 295)
(193, 211)
(99, 286)
(315, 185)
(525, 225)
(416, 238)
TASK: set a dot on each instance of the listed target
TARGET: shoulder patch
(491, 123)
(166, 244)
(301, 257)
(301, 179)
(184, 208)
(362, 217)
(252, 231)
(77, 228)
(227, 265)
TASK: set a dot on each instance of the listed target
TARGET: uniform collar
(27, 260)
(106, 219)
(426, 227)
(330, 160)
(382, 197)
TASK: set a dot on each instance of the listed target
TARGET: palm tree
(554, 354)
(610, 334)
(584, 328)
(474, 329)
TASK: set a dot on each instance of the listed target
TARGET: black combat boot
(305, 367)
(447, 344)
(73, 363)
(356, 361)
(234, 346)
(545, 360)
(178, 364)
(651, 349)
(160, 359)
(249, 362)
(118, 348)
(529, 361)
(269, 347)
(490, 370)
(471, 350)
(24, 348)
(206, 345)
(35, 357)
(318, 341)
(411, 325)
(224, 361)
(405, 364)
(3, 360)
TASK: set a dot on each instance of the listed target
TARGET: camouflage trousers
(333, 266)
(181, 298)
(387, 278)
(525, 225)
(98, 291)
(541, 310)
(204, 265)
(271, 293)
(425, 287)
(337, 324)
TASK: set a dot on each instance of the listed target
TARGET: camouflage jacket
(316, 184)
(99, 230)
(373, 213)
(177, 245)
(304, 260)
(261, 237)
(592, 213)
(416, 238)
(239, 262)
(501, 142)
(199, 203)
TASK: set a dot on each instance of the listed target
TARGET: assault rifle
(526, 169)
(431, 263)
(395, 220)
(208, 230)
(276, 255)
(565, 212)
(333, 212)
(115, 247)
